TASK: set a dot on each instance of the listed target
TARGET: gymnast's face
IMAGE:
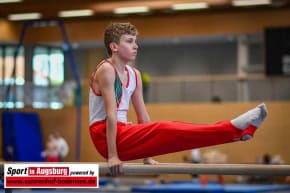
(127, 48)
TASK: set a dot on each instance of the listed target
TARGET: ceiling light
(24, 16)
(250, 2)
(76, 13)
(187, 6)
(10, 1)
(127, 10)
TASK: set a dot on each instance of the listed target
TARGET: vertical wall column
(242, 66)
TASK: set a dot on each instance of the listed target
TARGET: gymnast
(114, 83)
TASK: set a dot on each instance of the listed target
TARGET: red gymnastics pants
(52, 159)
(135, 141)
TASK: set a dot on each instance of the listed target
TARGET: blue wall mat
(7, 135)
(26, 135)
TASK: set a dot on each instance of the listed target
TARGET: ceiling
(104, 8)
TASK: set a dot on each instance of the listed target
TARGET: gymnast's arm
(106, 85)
(140, 109)
(138, 102)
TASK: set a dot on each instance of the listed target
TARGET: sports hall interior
(205, 65)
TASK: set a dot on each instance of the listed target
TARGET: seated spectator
(51, 152)
(265, 159)
(62, 146)
(213, 157)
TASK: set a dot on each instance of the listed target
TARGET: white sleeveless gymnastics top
(123, 95)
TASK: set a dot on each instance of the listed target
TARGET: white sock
(253, 117)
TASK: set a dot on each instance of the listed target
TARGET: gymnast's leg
(135, 141)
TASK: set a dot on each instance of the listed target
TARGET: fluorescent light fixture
(76, 13)
(250, 2)
(39, 105)
(128, 10)
(24, 16)
(187, 6)
(56, 105)
(19, 104)
(9, 105)
(10, 1)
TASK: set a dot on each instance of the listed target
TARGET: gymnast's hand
(150, 161)
(115, 166)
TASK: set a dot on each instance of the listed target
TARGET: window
(7, 65)
(13, 98)
(48, 76)
(48, 66)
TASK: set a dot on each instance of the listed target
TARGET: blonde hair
(114, 31)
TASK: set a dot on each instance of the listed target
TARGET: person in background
(265, 159)
(195, 159)
(213, 157)
(145, 77)
(51, 152)
(195, 155)
(62, 146)
(10, 151)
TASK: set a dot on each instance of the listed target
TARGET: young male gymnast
(114, 83)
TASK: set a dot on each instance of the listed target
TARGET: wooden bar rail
(223, 169)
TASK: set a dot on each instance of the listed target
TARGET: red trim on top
(110, 63)
(102, 62)
(135, 76)
(128, 77)
(97, 94)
